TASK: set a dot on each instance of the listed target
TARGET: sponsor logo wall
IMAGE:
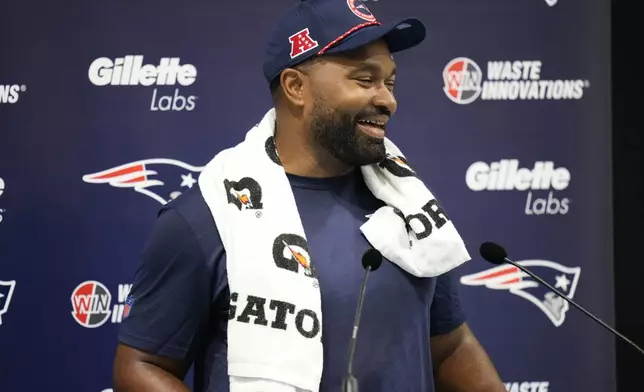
(507, 121)
(93, 304)
(507, 175)
(465, 82)
(131, 71)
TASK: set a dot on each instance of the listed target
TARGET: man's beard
(336, 131)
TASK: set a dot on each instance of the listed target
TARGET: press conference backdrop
(109, 109)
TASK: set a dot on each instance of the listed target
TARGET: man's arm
(137, 371)
(461, 364)
(170, 306)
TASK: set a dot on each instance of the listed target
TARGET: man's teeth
(374, 123)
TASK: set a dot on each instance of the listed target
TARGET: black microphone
(495, 254)
(371, 261)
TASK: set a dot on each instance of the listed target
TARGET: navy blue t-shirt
(181, 297)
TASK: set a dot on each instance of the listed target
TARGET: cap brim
(399, 35)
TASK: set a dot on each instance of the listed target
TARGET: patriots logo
(361, 10)
(162, 179)
(6, 292)
(509, 277)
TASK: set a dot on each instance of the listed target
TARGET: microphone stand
(350, 383)
(603, 324)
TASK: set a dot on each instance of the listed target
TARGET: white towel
(275, 325)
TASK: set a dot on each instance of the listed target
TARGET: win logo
(92, 304)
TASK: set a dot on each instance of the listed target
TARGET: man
(331, 72)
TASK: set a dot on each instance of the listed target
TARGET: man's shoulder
(187, 203)
(192, 208)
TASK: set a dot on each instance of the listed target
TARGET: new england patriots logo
(162, 179)
(509, 277)
(6, 292)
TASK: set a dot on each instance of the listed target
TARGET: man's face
(350, 102)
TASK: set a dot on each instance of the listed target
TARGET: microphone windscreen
(372, 258)
(494, 253)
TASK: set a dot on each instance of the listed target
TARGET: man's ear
(293, 84)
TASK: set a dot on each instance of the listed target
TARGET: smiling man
(201, 296)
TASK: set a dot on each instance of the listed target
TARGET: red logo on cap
(301, 42)
(361, 10)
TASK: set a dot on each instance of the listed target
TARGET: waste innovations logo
(526, 386)
(92, 304)
(131, 71)
(507, 175)
(506, 80)
(2, 188)
(10, 93)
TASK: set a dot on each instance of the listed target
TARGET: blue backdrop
(505, 110)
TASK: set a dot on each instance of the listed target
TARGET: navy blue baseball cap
(314, 27)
